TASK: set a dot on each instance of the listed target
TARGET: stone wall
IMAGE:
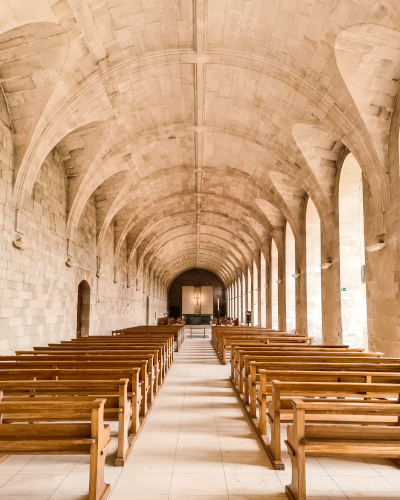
(38, 290)
(196, 277)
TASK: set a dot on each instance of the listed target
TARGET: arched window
(274, 286)
(244, 301)
(262, 285)
(290, 281)
(255, 294)
(352, 255)
(249, 289)
(239, 301)
(313, 254)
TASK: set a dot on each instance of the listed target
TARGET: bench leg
(262, 416)
(98, 488)
(135, 406)
(143, 405)
(253, 400)
(274, 449)
(296, 490)
(123, 445)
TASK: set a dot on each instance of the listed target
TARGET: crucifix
(197, 298)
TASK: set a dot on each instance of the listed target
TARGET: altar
(197, 319)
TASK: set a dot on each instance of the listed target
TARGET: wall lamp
(375, 247)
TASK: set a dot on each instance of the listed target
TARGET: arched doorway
(83, 310)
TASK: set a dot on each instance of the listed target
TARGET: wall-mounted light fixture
(297, 275)
(375, 247)
(71, 263)
(279, 281)
(23, 244)
(327, 264)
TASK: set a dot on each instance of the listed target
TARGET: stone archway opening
(83, 310)
(352, 255)
(313, 255)
(274, 286)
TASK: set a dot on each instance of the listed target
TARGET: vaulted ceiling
(199, 126)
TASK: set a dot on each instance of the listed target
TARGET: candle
(218, 304)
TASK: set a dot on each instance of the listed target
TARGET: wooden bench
(165, 351)
(177, 331)
(69, 363)
(263, 358)
(91, 439)
(139, 358)
(118, 407)
(342, 375)
(223, 342)
(164, 343)
(279, 408)
(260, 348)
(86, 374)
(334, 440)
(163, 347)
(253, 375)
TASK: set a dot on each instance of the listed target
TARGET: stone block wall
(38, 291)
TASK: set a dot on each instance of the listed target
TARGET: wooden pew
(177, 331)
(367, 375)
(225, 341)
(263, 358)
(86, 374)
(145, 381)
(91, 439)
(118, 407)
(334, 440)
(280, 409)
(239, 351)
(154, 372)
(138, 339)
(164, 347)
(316, 363)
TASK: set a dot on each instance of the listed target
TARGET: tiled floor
(197, 444)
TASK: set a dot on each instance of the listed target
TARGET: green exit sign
(344, 289)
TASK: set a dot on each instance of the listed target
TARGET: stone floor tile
(15, 463)
(143, 484)
(347, 467)
(41, 484)
(385, 467)
(198, 484)
(199, 464)
(149, 464)
(253, 484)
(365, 487)
(317, 485)
(247, 465)
(56, 464)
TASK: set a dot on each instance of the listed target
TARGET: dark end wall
(197, 277)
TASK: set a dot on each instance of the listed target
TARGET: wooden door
(79, 312)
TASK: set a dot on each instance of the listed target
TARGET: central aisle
(197, 440)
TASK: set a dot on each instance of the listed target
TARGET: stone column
(280, 240)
